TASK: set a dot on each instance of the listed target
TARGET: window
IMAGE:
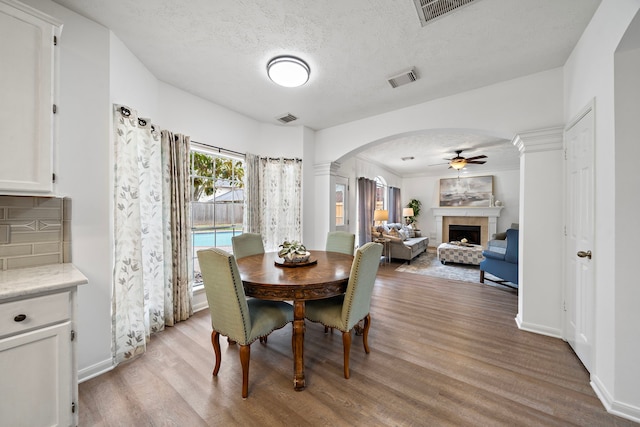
(340, 193)
(217, 201)
(381, 193)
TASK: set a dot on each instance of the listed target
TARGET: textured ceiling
(218, 50)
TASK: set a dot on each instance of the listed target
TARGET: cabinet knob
(20, 317)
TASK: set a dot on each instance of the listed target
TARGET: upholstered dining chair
(247, 244)
(345, 311)
(340, 241)
(240, 320)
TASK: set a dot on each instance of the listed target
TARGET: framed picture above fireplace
(473, 191)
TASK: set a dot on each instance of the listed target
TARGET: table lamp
(407, 212)
(379, 216)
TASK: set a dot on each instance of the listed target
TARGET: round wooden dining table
(264, 276)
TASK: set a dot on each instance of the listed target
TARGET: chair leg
(346, 343)
(245, 355)
(215, 341)
(263, 340)
(365, 333)
(481, 276)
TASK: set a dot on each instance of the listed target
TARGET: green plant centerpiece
(414, 204)
(293, 251)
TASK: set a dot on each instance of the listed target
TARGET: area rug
(428, 264)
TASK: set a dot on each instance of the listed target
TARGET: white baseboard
(95, 370)
(538, 329)
(616, 408)
(199, 301)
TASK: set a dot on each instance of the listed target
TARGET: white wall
(502, 110)
(506, 187)
(627, 313)
(589, 74)
(82, 167)
(354, 168)
(96, 69)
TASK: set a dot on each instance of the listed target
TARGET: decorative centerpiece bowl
(293, 252)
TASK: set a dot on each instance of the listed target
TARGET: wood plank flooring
(443, 353)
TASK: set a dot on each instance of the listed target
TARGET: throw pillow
(393, 232)
(403, 234)
(410, 231)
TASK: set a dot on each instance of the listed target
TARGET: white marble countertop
(24, 282)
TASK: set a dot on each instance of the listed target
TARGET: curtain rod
(220, 149)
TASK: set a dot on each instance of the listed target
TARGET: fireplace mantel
(491, 213)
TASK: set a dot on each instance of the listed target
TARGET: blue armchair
(503, 265)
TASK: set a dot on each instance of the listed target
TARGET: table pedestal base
(298, 345)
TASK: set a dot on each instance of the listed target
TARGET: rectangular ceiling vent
(403, 78)
(429, 10)
(286, 118)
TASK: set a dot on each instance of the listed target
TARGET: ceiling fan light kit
(459, 162)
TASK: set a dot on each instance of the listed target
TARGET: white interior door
(342, 202)
(579, 283)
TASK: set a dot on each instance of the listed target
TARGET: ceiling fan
(459, 162)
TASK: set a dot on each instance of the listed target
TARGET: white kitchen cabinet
(38, 368)
(27, 84)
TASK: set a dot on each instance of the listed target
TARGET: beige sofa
(401, 248)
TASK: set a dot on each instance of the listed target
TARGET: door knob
(583, 254)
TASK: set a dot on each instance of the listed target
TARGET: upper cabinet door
(26, 105)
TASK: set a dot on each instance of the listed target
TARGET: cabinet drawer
(26, 314)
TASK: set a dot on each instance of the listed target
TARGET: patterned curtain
(366, 206)
(395, 205)
(280, 198)
(252, 194)
(144, 276)
(177, 190)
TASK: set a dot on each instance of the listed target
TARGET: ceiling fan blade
(477, 162)
(438, 164)
(482, 156)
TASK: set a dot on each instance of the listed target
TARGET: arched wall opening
(424, 185)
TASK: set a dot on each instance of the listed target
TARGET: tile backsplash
(34, 231)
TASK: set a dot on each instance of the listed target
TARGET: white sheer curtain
(273, 199)
(146, 255)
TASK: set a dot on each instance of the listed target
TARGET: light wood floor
(443, 353)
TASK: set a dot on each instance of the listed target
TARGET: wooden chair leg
(230, 341)
(481, 276)
(215, 341)
(263, 340)
(365, 333)
(346, 343)
(245, 355)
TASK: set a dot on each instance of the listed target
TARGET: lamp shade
(407, 212)
(380, 215)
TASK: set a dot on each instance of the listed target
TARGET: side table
(386, 248)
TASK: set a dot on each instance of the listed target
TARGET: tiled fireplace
(485, 218)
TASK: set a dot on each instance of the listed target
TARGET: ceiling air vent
(403, 78)
(429, 10)
(286, 118)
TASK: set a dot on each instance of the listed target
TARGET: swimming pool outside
(214, 238)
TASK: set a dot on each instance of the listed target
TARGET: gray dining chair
(232, 315)
(343, 312)
(340, 241)
(247, 244)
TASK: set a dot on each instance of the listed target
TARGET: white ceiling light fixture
(288, 71)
